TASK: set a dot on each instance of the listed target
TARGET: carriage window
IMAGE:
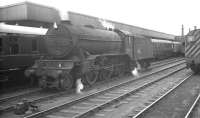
(15, 49)
(1, 45)
(34, 45)
(13, 44)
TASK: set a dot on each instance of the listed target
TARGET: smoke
(106, 24)
(135, 71)
(55, 25)
(79, 86)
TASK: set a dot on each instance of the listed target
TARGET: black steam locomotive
(92, 54)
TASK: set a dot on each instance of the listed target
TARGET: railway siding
(130, 106)
(60, 100)
(82, 99)
(48, 102)
(176, 103)
(194, 111)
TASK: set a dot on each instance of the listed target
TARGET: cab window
(1, 45)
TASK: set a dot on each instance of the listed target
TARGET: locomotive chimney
(182, 33)
(195, 27)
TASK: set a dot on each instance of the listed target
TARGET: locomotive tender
(192, 50)
(88, 53)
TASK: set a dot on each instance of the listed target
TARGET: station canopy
(29, 14)
(35, 15)
(85, 20)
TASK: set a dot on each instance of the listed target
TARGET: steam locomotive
(92, 54)
(192, 50)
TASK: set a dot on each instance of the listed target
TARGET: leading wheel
(42, 82)
(65, 82)
(91, 77)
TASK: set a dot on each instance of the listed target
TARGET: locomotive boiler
(67, 38)
(88, 53)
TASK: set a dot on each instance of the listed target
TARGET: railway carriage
(91, 54)
(166, 48)
(19, 49)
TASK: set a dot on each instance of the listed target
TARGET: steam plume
(79, 86)
(106, 24)
(135, 71)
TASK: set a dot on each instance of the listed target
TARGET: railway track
(142, 113)
(83, 106)
(8, 101)
(36, 95)
(17, 93)
(181, 99)
(194, 109)
(165, 62)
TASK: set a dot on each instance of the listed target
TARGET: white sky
(160, 15)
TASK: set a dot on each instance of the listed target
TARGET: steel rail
(46, 112)
(50, 95)
(160, 98)
(166, 60)
(192, 107)
(9, 108)
(27, 92)
(101, 106)
(165, 63)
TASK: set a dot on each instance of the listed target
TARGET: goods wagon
(88, 53)
(192, 50)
